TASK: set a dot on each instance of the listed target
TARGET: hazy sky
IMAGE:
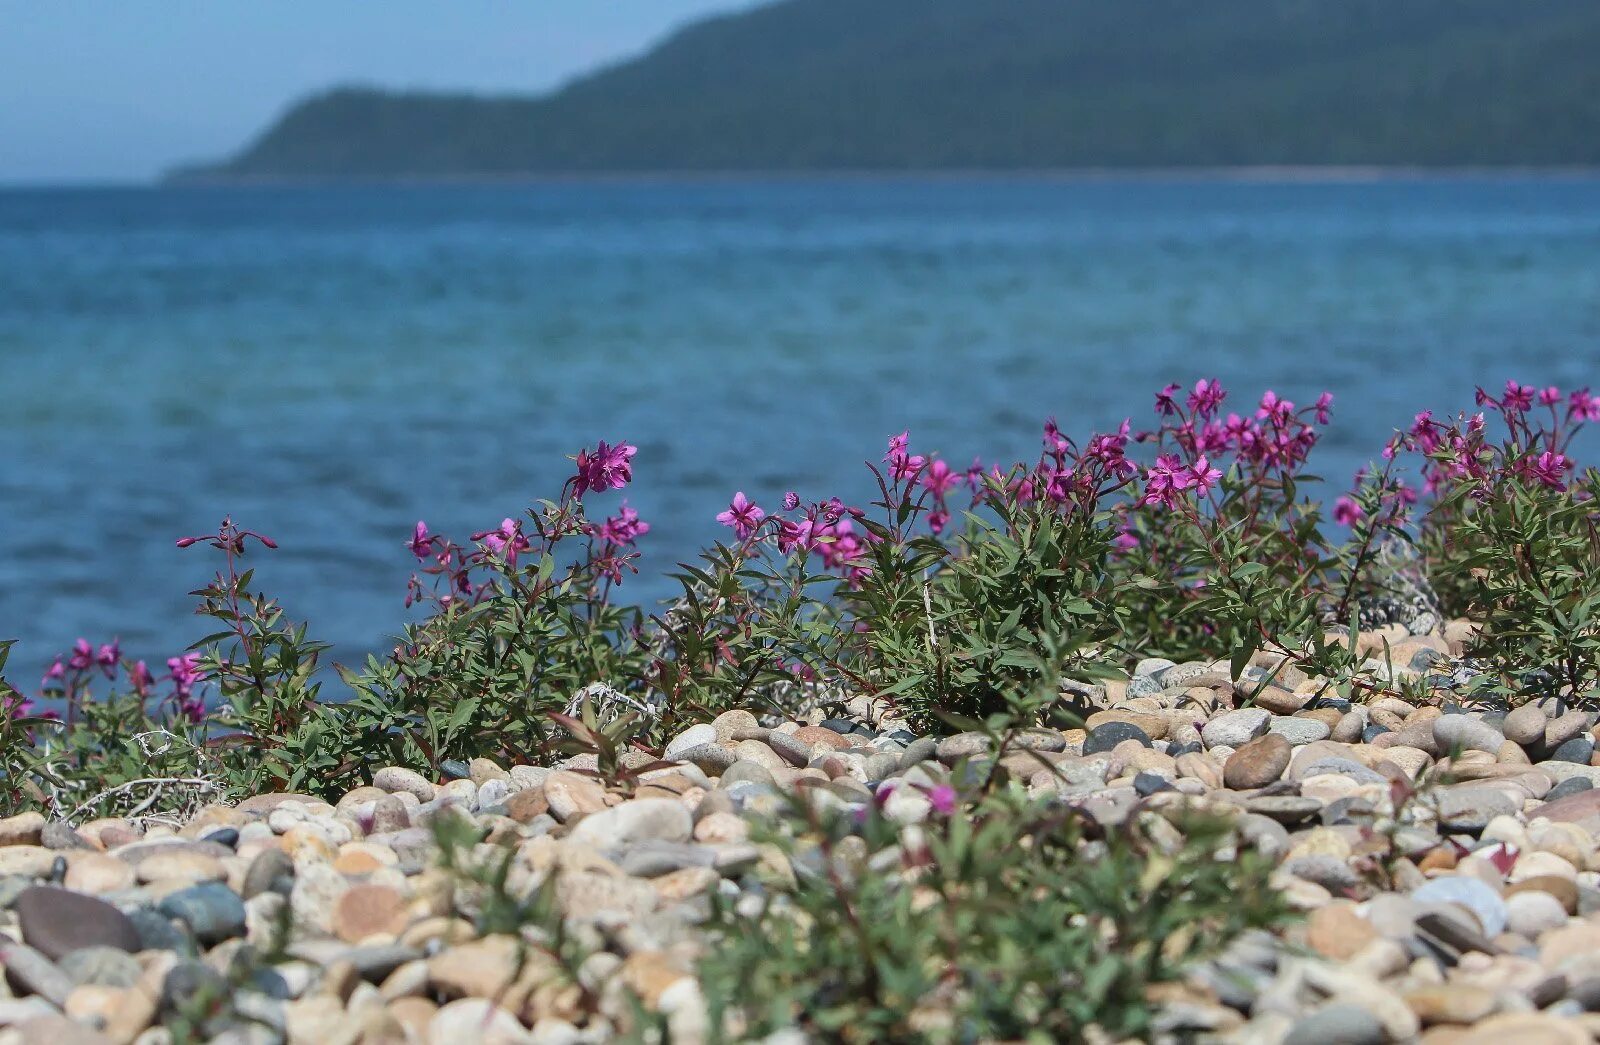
(118, 90)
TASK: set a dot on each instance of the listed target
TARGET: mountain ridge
(1005, 85)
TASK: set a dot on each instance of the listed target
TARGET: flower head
(1206, 397)
(1517, 398)
(140, 678)
(902, 463)
(421, 543)
(623, 528)
(507, 542)
(939, 478)
(742, 515)
(108, 656)
(1203, 476)
(185, 673)
(1346, 512)
(606, 468)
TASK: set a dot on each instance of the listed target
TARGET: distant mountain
(1005, 85)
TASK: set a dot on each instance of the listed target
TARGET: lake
(330, 364)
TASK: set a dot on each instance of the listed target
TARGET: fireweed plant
(963, 596)
(1512, 534)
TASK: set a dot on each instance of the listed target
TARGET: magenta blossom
(1166, 480)
(903, 464)
(1583, 406)
(791, 501)
(742, 515)
(1166, 404)
(139, 676)
(1274, 409)
(82, 656)
(1549, 468)
(1204, 476)
(939, 478)
(1346, 512)
(607, 468)
(1517, 397)
(943, 799)
(54, 675)
(421, 543)
(185, 674)
(506, 542)
(1206, 397)
(108, 656)
(623, 528)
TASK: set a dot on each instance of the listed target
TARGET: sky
(120, 90)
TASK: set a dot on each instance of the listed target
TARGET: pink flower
(1346, 512)
(421, 543)
(1274, 409)
(140, 678)
(608, 468)
(185, 674)
(938, 520)
(1583, 406)
(1165, 481)
(903, 464)
(1204, 476)
(940, 477)
(1166, 405)
(1517, 397)
(108, 656)
(506, 542)
(1549, 396)
(1206, 397)
(791, 501)
(742, 515)
(943, 799)
(1549, 468)
(52, 677)
(1125, 541)
(623, 528)
(1324, 407)
(796, 534)
(82, 655)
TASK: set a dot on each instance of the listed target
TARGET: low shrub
(960, 596)
(1008, 920)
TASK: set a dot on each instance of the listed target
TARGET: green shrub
(1015, 919)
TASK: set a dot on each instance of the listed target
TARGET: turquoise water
(331, 364)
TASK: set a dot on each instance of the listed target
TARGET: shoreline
(1263, 174)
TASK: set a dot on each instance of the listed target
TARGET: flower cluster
(1539, 427)
(71, 674)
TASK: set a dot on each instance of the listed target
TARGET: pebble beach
(1441, 852)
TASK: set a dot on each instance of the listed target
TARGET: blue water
(331, 364)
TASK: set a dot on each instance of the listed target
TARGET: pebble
(56, 921)
(1235, 728)
(705, 733)
(1338, 1023)
(1299, 731)
(1466, 733)
(1106, 737)
(1470, 893)
(1257, 763)
(212, 911)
